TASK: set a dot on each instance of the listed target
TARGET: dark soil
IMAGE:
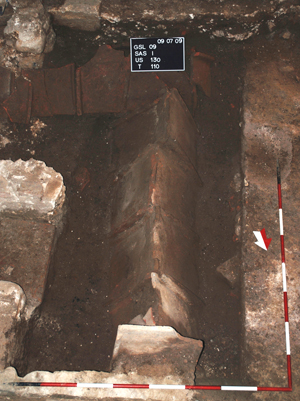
(72, 330)
(218, 119)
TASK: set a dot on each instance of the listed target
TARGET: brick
(25, 248)
(18, 104)
(60, 87)
(157, 178)
(40, 102)
(166, 120)
(102, 82)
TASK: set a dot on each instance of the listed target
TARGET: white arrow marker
(262, 239)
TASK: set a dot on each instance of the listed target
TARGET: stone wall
(32, 196)
(271, 134)
(233, 20)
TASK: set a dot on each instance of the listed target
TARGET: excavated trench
(73, 328)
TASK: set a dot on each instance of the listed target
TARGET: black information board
(157, 54)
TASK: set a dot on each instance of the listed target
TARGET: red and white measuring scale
(191, 387)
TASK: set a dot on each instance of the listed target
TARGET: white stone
(158, 350)
(29, 29)
(30, 186)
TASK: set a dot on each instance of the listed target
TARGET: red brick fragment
(102, 82)
(18, 104)
(40, 102)
(60, 88)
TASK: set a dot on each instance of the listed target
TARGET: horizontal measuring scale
(157, 54)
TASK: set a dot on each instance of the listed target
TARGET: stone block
(25, 248)
(156, 243)
(78, 14)
(102, 82)
(157, 178)
(155, 351)
(166, 120)
(28, 29)
(12, 303)
(30, 186)
(18, 104)
(60, 87)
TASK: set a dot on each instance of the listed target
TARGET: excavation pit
(118, 186)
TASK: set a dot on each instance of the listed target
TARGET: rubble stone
(78, 14)
(30, 186)
(29, 27)
(12, 303)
